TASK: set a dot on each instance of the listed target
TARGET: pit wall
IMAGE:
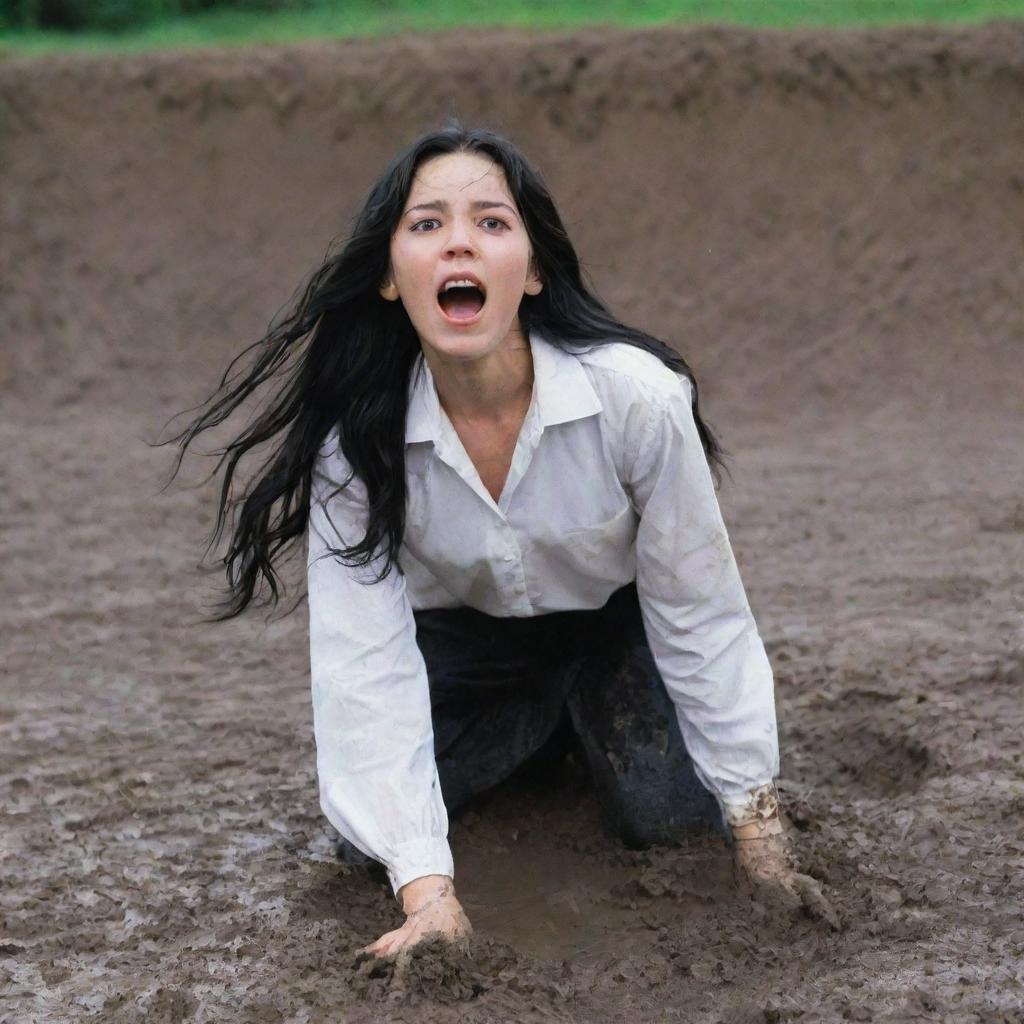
(825, 224)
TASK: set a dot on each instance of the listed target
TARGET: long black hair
(341, 359)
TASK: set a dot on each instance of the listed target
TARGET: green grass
(347, 18)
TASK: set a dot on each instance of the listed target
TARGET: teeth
(460, 283)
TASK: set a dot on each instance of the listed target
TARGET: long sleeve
(696, 614)
(371, 703)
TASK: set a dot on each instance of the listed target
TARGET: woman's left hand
(765, 863)
(431, 910)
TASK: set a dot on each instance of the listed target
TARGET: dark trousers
(501, 687)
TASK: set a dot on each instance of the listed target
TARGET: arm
(371, 702)
(706, 645)
(698, 621)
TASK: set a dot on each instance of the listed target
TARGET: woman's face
(460, 258)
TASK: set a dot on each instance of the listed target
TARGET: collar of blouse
(561, 392)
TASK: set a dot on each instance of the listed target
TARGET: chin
(460, 348)
(466, 344)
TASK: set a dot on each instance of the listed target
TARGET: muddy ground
(831, 227)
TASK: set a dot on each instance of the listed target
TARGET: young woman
(511, 523)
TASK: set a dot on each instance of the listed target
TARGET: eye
(418, 226)
(493, 223)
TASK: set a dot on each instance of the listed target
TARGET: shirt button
(510, 558)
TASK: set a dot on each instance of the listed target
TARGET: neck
(494, 387)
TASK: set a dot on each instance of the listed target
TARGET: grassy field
(374, 17)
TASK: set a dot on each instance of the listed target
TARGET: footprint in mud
(865, 741)
(1006, 516)
(885, 765)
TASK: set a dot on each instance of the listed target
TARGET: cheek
(409, 272)
(508, 263)
(514, 274)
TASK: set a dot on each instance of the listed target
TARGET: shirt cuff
(432, 856)
(757, 805)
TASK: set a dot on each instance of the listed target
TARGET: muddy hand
(764, 863)
(430, 909)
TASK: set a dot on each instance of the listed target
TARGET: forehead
(458, 174)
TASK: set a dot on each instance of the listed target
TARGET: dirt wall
(818, 221)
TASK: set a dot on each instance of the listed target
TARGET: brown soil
(830, 226)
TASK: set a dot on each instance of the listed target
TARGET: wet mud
(831, 227)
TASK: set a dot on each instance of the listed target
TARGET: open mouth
(461, 301)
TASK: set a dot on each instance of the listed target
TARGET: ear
(534, 285)
(388, 289)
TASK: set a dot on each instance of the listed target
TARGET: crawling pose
(511, 524)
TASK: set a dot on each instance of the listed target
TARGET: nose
(460, 240)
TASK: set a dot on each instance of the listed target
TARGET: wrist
(758, 829)
(428, 889)
(757, 818)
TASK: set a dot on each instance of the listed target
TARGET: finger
(402, 961)
(367, 963)
(383, 945)
(786, 891)
(366, 951)
(406, 938)
(742, 878)
(394, 945)
(815, 902)
(377, 947)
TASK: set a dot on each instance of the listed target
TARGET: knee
(647, 814)
(639, 832)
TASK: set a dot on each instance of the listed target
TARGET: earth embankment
(818, 221)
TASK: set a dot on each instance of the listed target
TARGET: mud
(830, 226)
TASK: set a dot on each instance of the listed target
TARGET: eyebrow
(442, 206)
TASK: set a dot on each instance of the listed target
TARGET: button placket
(514, 577)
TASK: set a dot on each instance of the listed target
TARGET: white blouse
(608, 484)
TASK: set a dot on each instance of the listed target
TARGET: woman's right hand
(430, 909)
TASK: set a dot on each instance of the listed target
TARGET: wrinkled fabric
(501, 688)
(608, 485)
(507, 692)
